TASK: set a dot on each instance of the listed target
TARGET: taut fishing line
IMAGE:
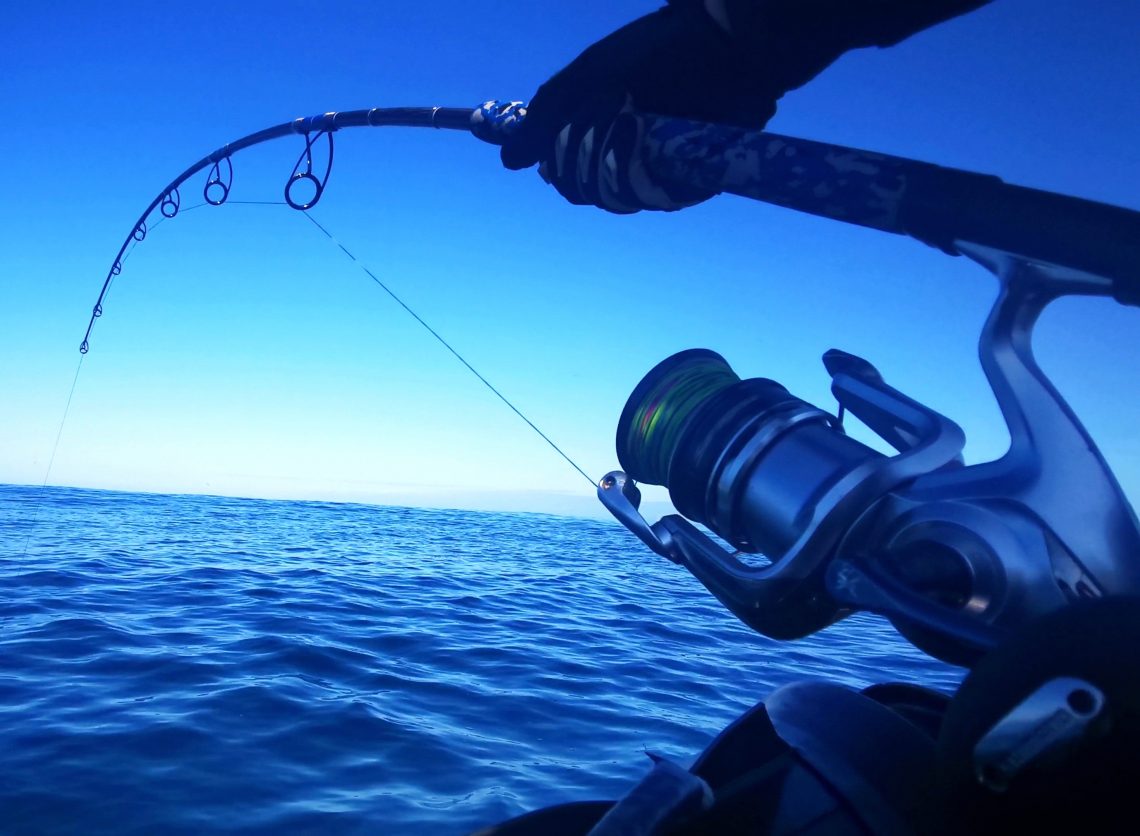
(51, 461)
(449, 347)
(79, 366)
(490, 122)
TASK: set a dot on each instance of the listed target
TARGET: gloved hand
(676, 61)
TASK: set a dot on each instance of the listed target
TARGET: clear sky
(242, 354)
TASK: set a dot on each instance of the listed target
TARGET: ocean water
(177, 664)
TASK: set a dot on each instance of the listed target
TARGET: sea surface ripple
(178, 664)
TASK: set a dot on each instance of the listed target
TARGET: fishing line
(448, 346)
(79, 366)
(491, 122)
(165, 217)
(51, 459)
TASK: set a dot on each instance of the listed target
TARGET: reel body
(955, 556)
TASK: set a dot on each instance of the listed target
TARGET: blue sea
(178, 664)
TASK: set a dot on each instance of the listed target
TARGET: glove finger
(606, 168)
(571, 163)
(567, 169)
(569, 160)
(585, 169)
(624, 179)
(590, 170)
(613, 169)
(554, 166)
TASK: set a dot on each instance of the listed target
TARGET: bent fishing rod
(938, 206)
(954, 556)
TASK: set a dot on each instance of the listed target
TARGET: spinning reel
(953, 555)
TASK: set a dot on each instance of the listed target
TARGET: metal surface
(1042, 728)
(622, 498)
(1009, 540)
(1051, 522)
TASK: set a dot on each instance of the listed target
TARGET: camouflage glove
(676, 61)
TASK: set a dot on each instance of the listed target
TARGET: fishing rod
(843, 532)
(488, 121)
(956, 557)
(936, 205)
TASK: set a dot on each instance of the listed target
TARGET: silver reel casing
(953, 555)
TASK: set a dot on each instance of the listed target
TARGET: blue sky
(242, 354)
